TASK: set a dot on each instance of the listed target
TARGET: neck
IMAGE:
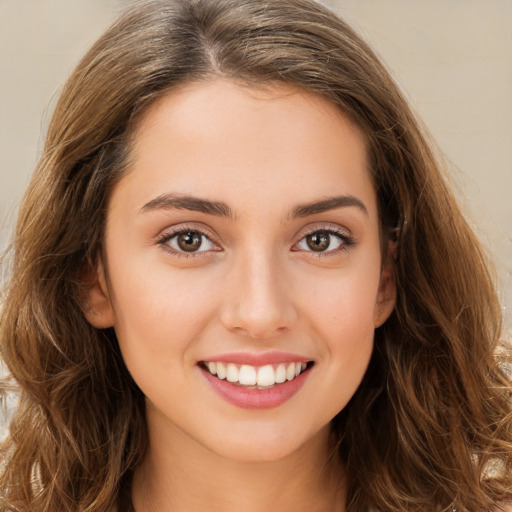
(180, 474)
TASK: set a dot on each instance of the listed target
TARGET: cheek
(159, 313)
(349, 333)
(345, 299)
(342, 313)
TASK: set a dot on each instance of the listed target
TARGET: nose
(257, 301)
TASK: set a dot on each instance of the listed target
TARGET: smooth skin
(260, 271)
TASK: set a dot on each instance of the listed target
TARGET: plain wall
(453, 59)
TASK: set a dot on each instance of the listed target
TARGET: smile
(255, 377)
(270, 381)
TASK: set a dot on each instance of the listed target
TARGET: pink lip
(247, 398)
(255, 359)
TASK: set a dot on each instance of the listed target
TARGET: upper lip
(257, 359)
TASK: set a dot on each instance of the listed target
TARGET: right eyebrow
(331, 203)
(182, 202)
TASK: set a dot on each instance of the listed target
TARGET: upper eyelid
(346, 236)
(332, 232)
(327, 226)
(176, 230)
(168, 234)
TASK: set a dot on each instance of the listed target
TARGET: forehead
(224, 139)
(209, 104)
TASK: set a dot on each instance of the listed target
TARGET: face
(244, 275)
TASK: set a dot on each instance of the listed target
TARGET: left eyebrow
(328, 204)
(182, 202)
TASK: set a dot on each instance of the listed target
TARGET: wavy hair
(430, 427)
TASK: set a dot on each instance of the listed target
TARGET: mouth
(263, 377)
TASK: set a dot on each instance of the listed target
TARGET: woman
(239, 281)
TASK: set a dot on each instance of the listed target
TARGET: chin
(269, 445)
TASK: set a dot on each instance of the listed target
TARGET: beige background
(453, 59)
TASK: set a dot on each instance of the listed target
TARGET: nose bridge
(257, 301)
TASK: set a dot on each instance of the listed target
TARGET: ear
(386, 296)
(97, 306)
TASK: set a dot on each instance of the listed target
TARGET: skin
(254, 286)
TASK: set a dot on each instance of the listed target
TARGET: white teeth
(266, 376)
(247, 375)
(221, 371)
(232, 373)
(261, 376)
(280, 374)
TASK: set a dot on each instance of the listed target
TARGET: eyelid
(173, 231)
(348, 239)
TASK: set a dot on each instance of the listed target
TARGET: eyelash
(169, 235)
(347, 241)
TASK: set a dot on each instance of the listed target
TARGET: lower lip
(256, 398)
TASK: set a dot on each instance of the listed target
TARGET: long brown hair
(430, 427)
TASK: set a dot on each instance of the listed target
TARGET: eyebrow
(221, 209)
(179, 202)
(325, 205)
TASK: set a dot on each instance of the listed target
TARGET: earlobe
(386, 297)
(97, 306)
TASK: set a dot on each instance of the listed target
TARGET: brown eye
(324, 241)
(318, 241)
(189, 241)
